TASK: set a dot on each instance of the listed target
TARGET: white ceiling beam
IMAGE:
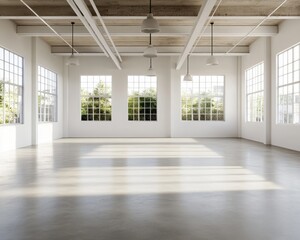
(86, 24)
(278, 17)
(165, 31)
(202, 17)
(163, 51)
(79, 5)
(105, 28)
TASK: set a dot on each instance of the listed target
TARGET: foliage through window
(11, 87)
(202, 99)
(47, 95)
(142, 98)
(255, 93)
(96, 98)
(288, 86)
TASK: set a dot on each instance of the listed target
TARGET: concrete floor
(158, 189)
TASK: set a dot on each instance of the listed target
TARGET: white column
(239, 95)
(34, 93)
(66, 100)
(268, 92)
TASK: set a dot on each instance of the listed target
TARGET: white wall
(35, 52)
(168, 106)
(259, 52)
(17, 135)
(46, 132)
(119, 126)
(287, 136)
(228, 128)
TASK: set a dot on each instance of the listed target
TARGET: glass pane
(141, 97)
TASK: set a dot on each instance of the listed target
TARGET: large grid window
(96, 98)
(202, 99)
(255, 93)
(142, 98)
(47, 95)
(288, 86)
(11, 87)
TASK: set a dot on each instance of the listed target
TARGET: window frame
(139, 96)
(20, 74)
(262, 90)
(287, 85)
(199, 96)
(106, 96)
(55, 95)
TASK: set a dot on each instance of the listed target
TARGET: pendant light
(151, 72)
(150, 24)
(72, 60)
(212, 60)
(150, 51)
(188, 77)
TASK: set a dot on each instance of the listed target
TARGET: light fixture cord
(150, 7)
(150, 42)
(72, 38)
(211, 39)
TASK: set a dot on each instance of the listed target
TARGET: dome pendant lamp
(150, 24)
(72, 60)
(150, 51)
(212, 60)
(188, 77)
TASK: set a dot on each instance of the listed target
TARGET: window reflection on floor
(87, 181)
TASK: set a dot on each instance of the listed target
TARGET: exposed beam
(105, 29)
(87, 25)
(165, 31)
(191, 18)
(84, 13)
(161, 10)
(162, 51)
(203, 14)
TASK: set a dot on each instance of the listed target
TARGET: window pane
(47, 95)
(11, 88)
(201, 99)
(96, 98)
(255, 93)
(142, 98)
(288, 103)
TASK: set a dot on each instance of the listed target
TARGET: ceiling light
(151, 72)
(72, 60)
(188, 77)
(150, 24)
(212, 60)
(150, 51)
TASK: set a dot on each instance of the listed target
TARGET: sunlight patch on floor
(93, 181)
(151, 151)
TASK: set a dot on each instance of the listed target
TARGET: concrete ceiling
(233, 20)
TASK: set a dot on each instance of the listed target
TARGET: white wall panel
(228, 128)
(119, 126)
(18, 135)
(287, 136)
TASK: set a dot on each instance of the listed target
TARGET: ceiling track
(257, 26)
(56, 33)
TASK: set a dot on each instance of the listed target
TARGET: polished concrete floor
(156, 189)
